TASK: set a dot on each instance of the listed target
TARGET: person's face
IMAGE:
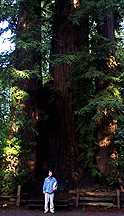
(50, 173)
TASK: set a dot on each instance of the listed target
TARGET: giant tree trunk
(67, 39)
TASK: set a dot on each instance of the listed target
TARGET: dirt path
(23, 212)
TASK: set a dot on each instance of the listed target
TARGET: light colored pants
(49, 197)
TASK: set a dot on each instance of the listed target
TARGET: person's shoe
(45, 211)
(52, 211)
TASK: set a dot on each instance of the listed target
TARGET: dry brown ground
(81, 212)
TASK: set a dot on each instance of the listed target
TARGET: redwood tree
(68, 39)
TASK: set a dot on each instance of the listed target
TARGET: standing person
(49, 187)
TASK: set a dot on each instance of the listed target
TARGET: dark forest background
(62, 93)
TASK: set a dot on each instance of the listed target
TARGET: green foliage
(97, 88)
(119, 146)
(10, 96)
(98, 9)
(4, 113)
(8, 11)
(101, 87)
(47, 12)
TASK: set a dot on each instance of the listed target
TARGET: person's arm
(44, 186)
(55, 185)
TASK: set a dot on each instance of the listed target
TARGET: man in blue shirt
(49, 187)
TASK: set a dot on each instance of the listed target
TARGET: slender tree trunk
(106, 127)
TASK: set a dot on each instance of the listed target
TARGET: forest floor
(74, 212)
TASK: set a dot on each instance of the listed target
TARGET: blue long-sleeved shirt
(50, 185)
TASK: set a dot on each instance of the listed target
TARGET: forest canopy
(62, 91)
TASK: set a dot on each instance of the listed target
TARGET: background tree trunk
(28, 57)
(105, 126)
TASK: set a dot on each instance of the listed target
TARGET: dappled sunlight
(114, 155)
(18, 95)
(11, 153)
(15, 127)
(24, 25)
(23, 22)
(112, 127)
(35, 116)
(112, 63)
(76, 3)
(12, 146)
(105, 142)
(114, 91)
(20, 74)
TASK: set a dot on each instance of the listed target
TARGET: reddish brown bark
(106, 126)
(67, 39)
